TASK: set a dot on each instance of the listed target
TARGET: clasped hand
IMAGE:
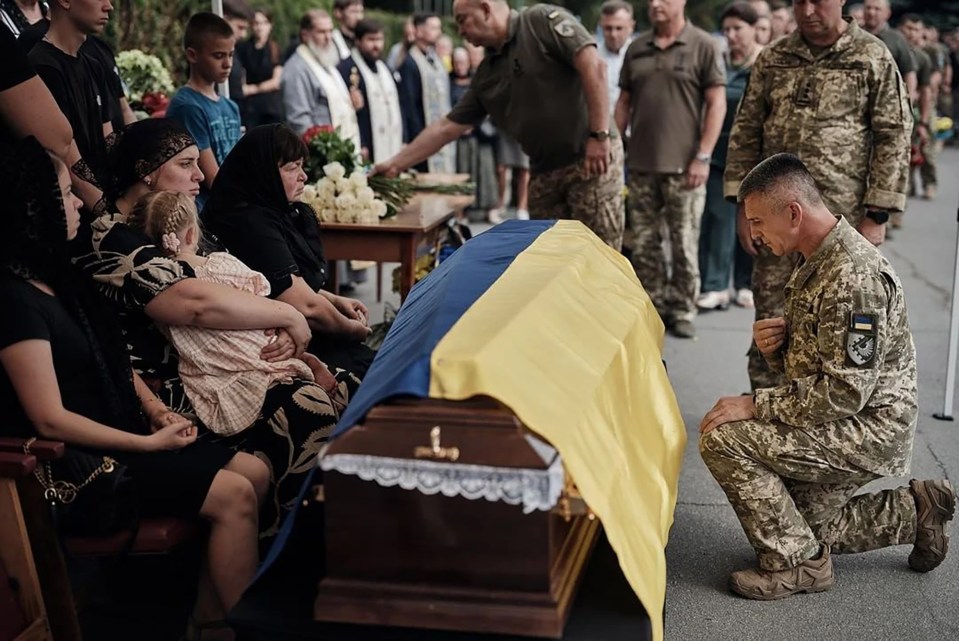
(769, 335)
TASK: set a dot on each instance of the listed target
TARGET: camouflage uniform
(662, 203)
(844, 112)
(846, 416)
(597, 202)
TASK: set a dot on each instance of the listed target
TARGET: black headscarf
(248, 184)
(34, 247)
(140, 149)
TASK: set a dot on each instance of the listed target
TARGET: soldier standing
(673, 97)
(544, 83)
(830, 94)
(791, 458)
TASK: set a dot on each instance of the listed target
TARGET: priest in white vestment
(314, 93)
(425, 90)
(380, 119)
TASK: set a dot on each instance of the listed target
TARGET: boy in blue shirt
(214, 121)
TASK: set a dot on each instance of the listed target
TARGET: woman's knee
(231, 497)
(253, 469)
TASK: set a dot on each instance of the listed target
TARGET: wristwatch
(877, 216)
(600, 135)
(704, 158)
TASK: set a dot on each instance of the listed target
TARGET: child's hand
(321, 373)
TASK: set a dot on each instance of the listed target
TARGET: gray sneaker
(935, 505)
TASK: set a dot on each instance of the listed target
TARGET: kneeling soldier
(791, 458)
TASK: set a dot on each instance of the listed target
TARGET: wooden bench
(20, 488)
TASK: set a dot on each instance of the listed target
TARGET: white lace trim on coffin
(533, 489)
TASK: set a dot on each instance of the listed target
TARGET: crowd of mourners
(162, 285)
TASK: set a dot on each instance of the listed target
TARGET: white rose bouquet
(339, 198)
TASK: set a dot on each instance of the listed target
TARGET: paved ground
(876, 596)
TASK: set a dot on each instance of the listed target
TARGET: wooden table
(393, 239)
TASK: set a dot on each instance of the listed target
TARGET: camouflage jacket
(845, 112)
(850, 361)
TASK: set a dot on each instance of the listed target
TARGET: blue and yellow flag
(546, 319)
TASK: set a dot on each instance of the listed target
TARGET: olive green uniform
(530, 89)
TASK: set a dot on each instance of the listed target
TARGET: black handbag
(89, 495)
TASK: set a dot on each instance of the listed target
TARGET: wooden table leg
(407, 265)
(379, 282)
(333, 276)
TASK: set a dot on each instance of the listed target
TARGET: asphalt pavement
(876, 596)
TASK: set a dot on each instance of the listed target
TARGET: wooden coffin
(401, 557)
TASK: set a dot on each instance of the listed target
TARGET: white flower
(379, 207)
(344, 186)
(327, 215)
(309, 194)
(358, 178)
(334, 170)
(345, 216)
(346, 201)
(365, 195)
(368, 216)
(325, 189)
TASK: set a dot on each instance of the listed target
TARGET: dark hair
(420, 18)
(266, 12)
(340, 5)
(910, 17)
(741, 10)
(611, 7)
(237, 9)
(288, 147)
(365, 27)
(777, 170)
(776, 5)
(205, 25)
(311, 16)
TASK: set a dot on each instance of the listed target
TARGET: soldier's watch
(878, 216)
(704, 158)
(600, 135)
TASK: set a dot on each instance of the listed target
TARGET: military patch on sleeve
(565, 28)
(861, 338)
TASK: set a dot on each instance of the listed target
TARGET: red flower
(315, 131)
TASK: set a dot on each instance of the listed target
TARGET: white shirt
(614, 64)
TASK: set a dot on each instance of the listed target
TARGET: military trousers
(793, 491)
(597, 202)
(928, 170)
(661, 204)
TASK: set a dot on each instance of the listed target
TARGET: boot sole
(940, 510)
(776, 597)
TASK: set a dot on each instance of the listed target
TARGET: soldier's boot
(935, 505)
(814, 575)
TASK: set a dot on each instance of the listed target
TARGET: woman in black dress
(66, 375)
(149, 287)
(255, 212)
(260, 57)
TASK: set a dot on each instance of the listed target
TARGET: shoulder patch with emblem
(861, 338)
(565, 28)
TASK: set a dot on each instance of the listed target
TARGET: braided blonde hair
(164, 215)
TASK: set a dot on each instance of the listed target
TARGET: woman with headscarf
(150, 288)
(255, 212)
(66, 375)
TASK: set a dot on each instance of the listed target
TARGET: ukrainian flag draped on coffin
(546, 319)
